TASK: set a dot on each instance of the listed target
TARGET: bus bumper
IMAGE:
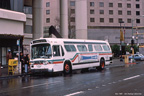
(41, 70)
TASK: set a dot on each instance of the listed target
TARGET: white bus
(55, 55)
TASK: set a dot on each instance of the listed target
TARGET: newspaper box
(12, 66)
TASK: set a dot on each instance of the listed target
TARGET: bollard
(126, 59)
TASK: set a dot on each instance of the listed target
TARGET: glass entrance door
(3, 53)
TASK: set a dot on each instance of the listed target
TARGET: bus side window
(56, 50)
(90, 48)
(98, 47)
(81, 48)
(106, 47)
(62, 51)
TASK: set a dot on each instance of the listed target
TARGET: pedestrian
(26, 63)
(8, 56)
(22, 62)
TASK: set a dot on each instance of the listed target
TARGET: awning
(10, 36)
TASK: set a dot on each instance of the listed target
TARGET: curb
(8, 77)
(13, 76)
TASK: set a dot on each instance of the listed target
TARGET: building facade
(34, 17)
(103, 18)
(12, 22)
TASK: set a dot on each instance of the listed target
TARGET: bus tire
(67, 68)
(102, 64)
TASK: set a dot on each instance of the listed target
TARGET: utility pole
(19, 65)
(121, 33)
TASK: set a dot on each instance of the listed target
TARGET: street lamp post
(121, 59)
(132, 41)
(137, 37)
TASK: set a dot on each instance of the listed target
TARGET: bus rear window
(70, 48)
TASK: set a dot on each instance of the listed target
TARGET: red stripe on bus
(57, 62)
(105, 54)
(74, 58)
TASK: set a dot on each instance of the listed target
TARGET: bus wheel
(102, 64)
(67, 68)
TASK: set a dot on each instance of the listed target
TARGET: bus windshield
(41, 51)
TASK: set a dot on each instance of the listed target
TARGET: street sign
(18, 42)
(17, 51)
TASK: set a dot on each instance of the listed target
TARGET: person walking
(22, 62)
(26, 63)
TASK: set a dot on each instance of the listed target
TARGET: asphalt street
(114, 80)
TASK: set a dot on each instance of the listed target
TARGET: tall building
(51, 15)
(103, 18)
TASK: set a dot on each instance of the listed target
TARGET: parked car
(137, 57)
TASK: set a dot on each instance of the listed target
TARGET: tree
(128, 48)
(135, 48)
(116, 50)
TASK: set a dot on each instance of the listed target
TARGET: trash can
(126, 59)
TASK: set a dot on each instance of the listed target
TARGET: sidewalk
(4, 73)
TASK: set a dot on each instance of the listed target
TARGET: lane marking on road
(96, 87)
(89, 89)
(109, 83)
(76, 93)
(113, 82)
(131, 77)
(29, 87)
(103, 85)
(39, 85)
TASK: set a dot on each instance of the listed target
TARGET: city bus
(66, 55)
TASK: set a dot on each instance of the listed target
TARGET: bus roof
(64, 40)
